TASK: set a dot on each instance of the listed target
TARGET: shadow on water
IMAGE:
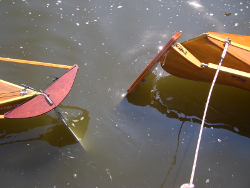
(46, 128)
(185, 100)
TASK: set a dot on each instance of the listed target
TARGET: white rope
(204, 116)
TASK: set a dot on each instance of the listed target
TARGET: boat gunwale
(15, 97)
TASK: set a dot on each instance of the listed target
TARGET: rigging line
(55, 79)
(17, 105)
(61, 116)
(191, 185)
(64, 121)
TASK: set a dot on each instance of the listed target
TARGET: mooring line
(191, 185)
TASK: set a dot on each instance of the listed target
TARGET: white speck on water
(207, 181)
(87, 22)
(236, 129)
(236, 14)
(219, 140)
(211, 14)
(236, 24)
(119, 6)
(75, 175)
(108, 172)
(75, 120)
(82, 118)
(73, 124)
(77, 24)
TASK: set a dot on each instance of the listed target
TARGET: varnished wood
(229, 70)
(208, 50)
(183, 52)
(150, 67)
(35, 63)
(10, 95)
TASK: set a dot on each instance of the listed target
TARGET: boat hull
(47, 100)
(208, 50)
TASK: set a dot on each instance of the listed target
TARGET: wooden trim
(229, 70)
(17, 96)
(35, 63)
(153, 63)
(232, 43)
(183, 52)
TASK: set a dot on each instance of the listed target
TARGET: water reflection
(46, 128)
(185, 100)
(174, 157)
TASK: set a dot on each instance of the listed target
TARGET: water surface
(146, 139)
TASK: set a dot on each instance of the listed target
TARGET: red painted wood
(38, 105)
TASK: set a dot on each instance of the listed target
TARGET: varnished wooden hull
(207, 49)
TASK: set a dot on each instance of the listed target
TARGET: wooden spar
(35, 63)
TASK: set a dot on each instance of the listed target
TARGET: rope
(204, 117)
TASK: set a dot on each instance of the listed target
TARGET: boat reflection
(185, 100)
(46, 128)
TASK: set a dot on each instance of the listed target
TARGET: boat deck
(10, 94)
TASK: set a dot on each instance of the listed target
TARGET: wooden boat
(198, 58)
(25, 102)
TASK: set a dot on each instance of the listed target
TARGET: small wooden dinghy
(35, 103)
(198, 58)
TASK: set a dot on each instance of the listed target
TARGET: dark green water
(146, 139)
